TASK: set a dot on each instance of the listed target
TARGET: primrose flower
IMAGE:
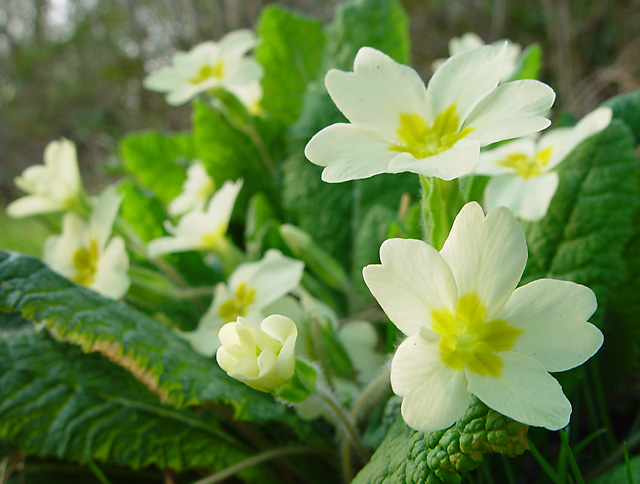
(207, 66)
(85, 253)
(262, 356)
(197, 229)
(196, 191)
(53, 187)
(470, 41)
(399, 125)
(524, 180)
(251, 288)
(471, 332)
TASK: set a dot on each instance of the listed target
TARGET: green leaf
(142, 210)
(590, 218)
(229, 151)
(529, 63)
(58, 402)
(626, 107)
(290, 51)
(620, 474)
(153, 353)
(157, 161)
(406, 456)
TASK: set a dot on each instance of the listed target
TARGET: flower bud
(261, 356)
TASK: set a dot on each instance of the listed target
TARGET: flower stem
(347, 424)
(253, 461)
(98, 473)
(371, 392)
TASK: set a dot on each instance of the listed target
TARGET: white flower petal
(527, 198)
(33, 205)
(163, 80)
(104, 214)
(412, 281)
(221, 204)
(237, 43)
(349, 153)
(434, 395)
(465, 79)
(512, 110)
(486, 255)
(524, 391)
(112, 279)
(279, 327)
(61, 156)
(457, 161)
(204, 340)
(167, 245)
(553, 315)
(373, 96)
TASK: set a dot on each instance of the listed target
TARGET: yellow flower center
(422, 140)
(85, 262)
(211, 240)
(208, 72)
(207, 189)
(468, 340)
(527, 166)
(239, 305)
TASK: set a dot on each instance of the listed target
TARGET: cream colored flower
(399, 125)
(207, 66)
(262, 356)
(86, 253)
(251, 288)
(522, 171)
(199, 230)
(53, 187)
(471, 332)
(196, 191)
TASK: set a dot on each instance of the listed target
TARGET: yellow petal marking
(239, 305)
(85, 261)
(422, 140)
(527, 166)
(206, 72)
(468, 340)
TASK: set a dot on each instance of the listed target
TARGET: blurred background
(74, 68)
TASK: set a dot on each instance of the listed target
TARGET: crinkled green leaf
(406, 456)
(157, 161)
(626, 107)
(153, 353)
(590, 218)
(290, 51)
(55, 401)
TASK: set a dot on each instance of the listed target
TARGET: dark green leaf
(626, 107)
(153, 353)
(57, 401)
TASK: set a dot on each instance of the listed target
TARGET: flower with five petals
(397, 124)
(471, 332)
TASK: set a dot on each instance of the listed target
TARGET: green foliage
(142, 210)
(620, 474)
(290, 51)
(380, 24)
(626, 107)
(589, 221)
(529, 63)
(153, 353)
(157, 161)
(406, 456)
(59, 402)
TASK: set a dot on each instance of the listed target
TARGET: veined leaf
(406, 456)
(290, 51)
(626, 107)
(56, 401)
(153, 353)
